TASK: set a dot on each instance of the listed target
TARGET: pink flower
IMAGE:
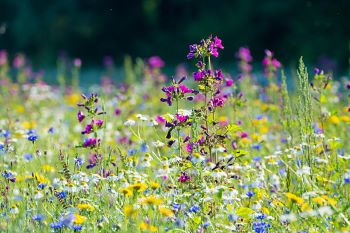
(77, 62)
(117, 111)
(19, 61)
(184, 178)
(244, 54)
(155, 62)
(90, 142)
(3, 57)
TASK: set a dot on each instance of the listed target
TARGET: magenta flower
(155, 62)
(244, 54)
(184, 178)
(90, 142)
(271, 64)
(198, 76)
(181, 118)
(88, 129)
(98, 122)
(218, 43)
(117, 111)
(160, 119)
(229, 82)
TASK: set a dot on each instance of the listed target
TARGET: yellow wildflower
(154, 185)
(293, 198)
(79, 219)
(166, 212)
(129, 210)
(139, 187)
(151, 200)
(126, 191)
(85, 206)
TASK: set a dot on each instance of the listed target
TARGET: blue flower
(28, 156)
(51, 130)
(56, 225)
(38, 217)
(143, 147)
(176, 206)
(32, 138)
(78, 161)
(77, 227)
(41, 186)
(194, 209)
(260, 216)
(250, 194)
(261, 227)
(62, 195)
(131, 152)
(347, 180)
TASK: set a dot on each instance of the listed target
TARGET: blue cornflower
(32, 138)
(250, 194)
(51, 130)
(176, 206)
(41, 186)
(38, 217)
(206, 224)
(2, 146)
(260, 216)
(261, 227)
(194, 209)
(28, 156)
(257, 158)
(257, 146)
(56, 225)
(131, 152)
(143, 147)
(62, 195)
(6, 134)
(78, 161)
(347, 180)
(77, 227)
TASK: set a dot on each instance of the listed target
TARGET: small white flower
(129, 123)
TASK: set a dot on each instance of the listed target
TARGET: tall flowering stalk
(271, 64)
(203, 136)
(90, 115)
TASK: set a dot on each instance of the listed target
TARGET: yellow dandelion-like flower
(129, 210)
(334, 119)
(48, 168)
(126, 191)
(85, 206)
(79, 219)
(305, 207)
(139, 187)
(319, 200)
(345, 119)
(151, 200)
(166, 212)
(41, 179)
(146, 227)
(294, 198)
(154, 185)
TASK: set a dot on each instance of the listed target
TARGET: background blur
(90, 29)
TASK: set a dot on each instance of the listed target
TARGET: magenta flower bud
(19, 61)
(117, 111)
(88, 129)
(229, 82)
(77, 62)
(244, 135)
(181, 118)
(218, 43)
(155, 62)
(160, 119)
(81, 116)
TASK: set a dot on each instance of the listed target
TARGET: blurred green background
(90, 29)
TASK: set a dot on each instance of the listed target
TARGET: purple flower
(88, 129)
(90, 142)
(198, 76)
(77, 62)
(184, 178)
(81, 116)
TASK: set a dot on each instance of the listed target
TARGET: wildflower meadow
(264, 149)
